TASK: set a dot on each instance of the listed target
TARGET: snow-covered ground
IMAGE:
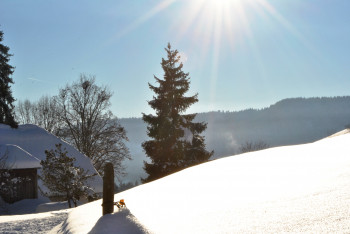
(33, 223)
(25, 218)
(303, 188)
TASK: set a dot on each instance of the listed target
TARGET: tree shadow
(121, 221)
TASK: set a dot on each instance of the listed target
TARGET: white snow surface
(24, 220)
(17, 158)
(31, 223)
(303, 188)
(35, 140)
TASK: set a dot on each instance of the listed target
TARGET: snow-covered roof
(345, 131)
(35, 140)
(17, 158)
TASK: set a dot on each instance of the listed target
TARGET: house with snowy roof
(33, 141)
(19, 174)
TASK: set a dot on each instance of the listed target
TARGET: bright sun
(215, 26)
(214, 19)
(210, 22)
(219, 3)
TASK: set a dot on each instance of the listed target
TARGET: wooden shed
(19, 173)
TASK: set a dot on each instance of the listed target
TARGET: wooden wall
(26, 189)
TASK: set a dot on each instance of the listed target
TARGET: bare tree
(47, 114)
(25, 112)
(43, 113)
(90, 126)
(250, 146)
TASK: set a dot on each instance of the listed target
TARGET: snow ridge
(303, 188)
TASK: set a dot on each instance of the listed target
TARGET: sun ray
(265, 5)
(214, 26)
(144, 18)
(216, 55)
(189, 19)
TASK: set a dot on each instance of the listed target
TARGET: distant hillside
(288, 122)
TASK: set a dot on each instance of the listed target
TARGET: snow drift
(303, 188)
(33, 141)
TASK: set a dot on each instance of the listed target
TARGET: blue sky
(239, 53)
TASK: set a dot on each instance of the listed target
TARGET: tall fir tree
(6, 99)
(176, 141)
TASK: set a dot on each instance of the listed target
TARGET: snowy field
(298, 189)
(33, 223)
(304, 188)
(32, 216)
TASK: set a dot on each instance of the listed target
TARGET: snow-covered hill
(288, 122)
(35, 140)
(302, 188)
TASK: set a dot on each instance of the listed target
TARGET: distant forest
(288, 122)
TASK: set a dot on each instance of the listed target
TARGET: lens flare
(214, 26)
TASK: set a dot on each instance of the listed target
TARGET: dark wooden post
(108, 189)
(35, 183)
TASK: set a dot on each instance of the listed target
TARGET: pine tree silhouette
(6, 99)
(176, 142)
